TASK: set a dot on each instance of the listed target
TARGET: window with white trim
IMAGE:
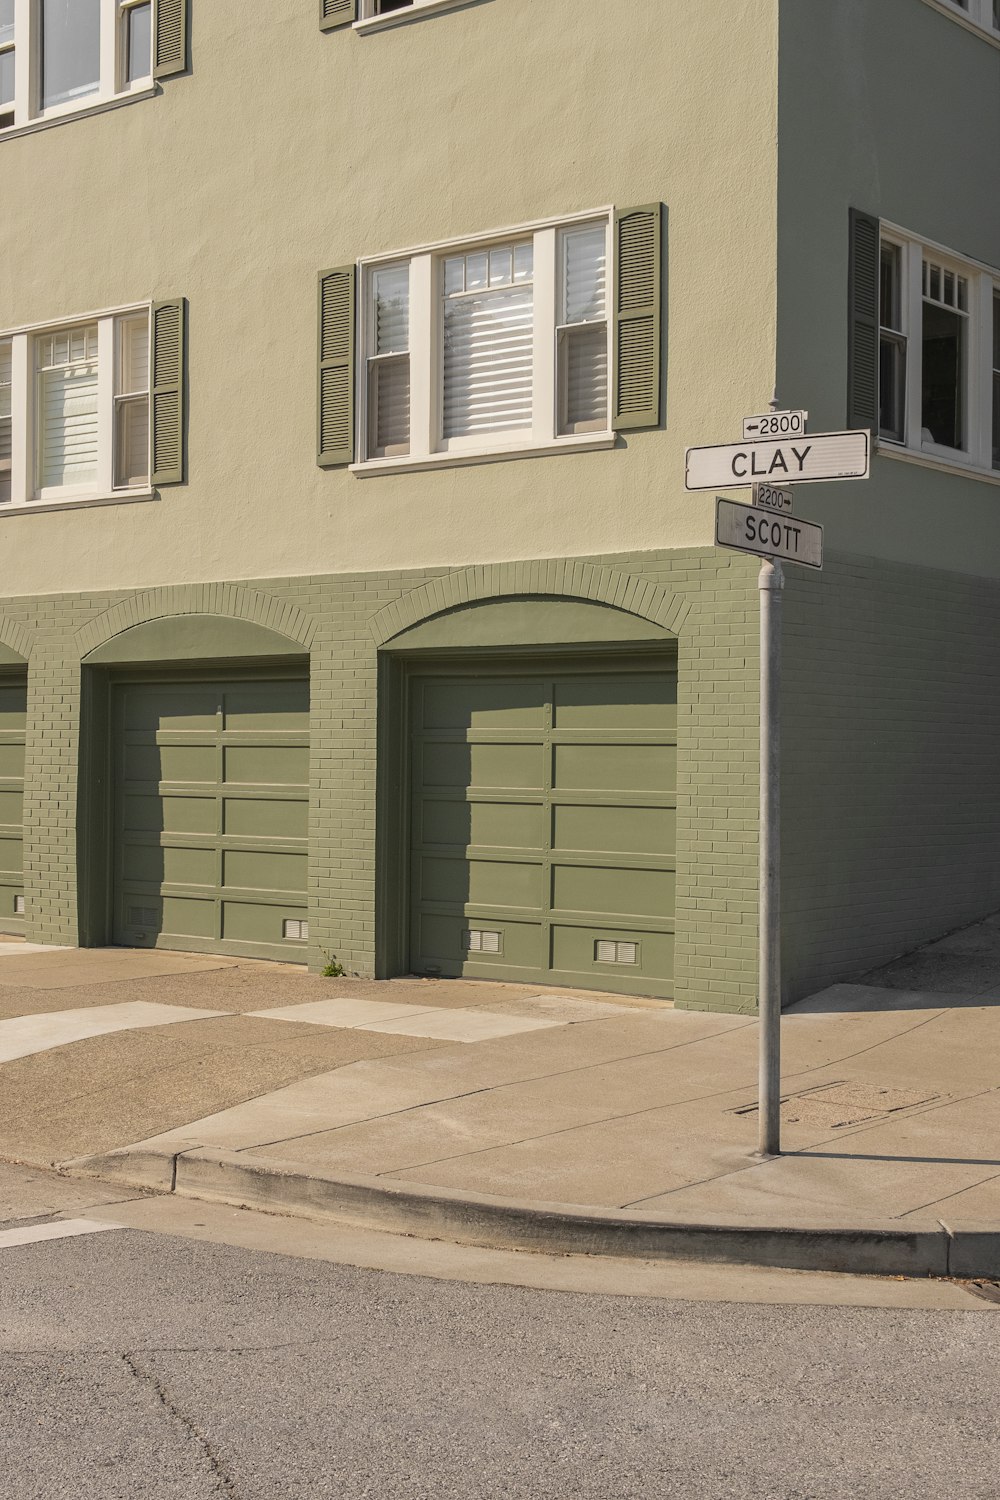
(74, 410)
(484, 347)
(984, 13)
(59, 56)
(939, 332)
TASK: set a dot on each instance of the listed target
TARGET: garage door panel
(261, 710)
(265, 817)
(593, 757)
(11, 809)
(271, 765)
(264, 870)
(574, 950)
(185, 849)
(492, 705)
(11, 855)
(255, 923)
(183, 710)
(646, 768)
(612, 890)
(615, 830)
(510, 825)
(11, 761)
(608, 703)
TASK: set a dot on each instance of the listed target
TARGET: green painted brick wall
(712, 595)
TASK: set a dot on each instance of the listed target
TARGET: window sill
(428, 461)
(966, 22)
(411, 13)
(885, 449)
(35, 507)
(49, 122)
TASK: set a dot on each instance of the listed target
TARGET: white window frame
(112, 87)
(982, 280)
(370, 20)
(977, 16)
(428, 448)
(25, 492)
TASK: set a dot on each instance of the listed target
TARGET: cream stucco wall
(286, 151)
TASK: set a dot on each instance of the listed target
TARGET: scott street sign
(801, 460)
(751, 530)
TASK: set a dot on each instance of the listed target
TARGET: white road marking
(408, 1020)
(60, 1229)
(24, 1035)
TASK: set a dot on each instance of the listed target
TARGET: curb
(868, 1248)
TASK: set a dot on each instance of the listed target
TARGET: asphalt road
(138, 1364)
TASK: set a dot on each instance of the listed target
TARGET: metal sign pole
(770, 582)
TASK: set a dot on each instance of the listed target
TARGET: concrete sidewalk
(504, 1115)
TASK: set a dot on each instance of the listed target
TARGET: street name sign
(775, 424)
(802, 460)
(768, 498)
(751, 530)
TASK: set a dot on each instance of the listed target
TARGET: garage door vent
(19, 906)
(480, 940)
(143, 916)
(293, 928)
(607, 952)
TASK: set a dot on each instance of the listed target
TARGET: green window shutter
(336, 367)
(170, 39)
(334, 13)
(636, 363)
(168, 392)
(862, 324)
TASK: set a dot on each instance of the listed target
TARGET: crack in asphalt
(224, 1482)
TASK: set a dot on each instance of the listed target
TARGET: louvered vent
(143, 916)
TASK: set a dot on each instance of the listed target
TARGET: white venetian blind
(389, 364)
(5, 378)
(67, 408)
(488, 314)
(583, 346)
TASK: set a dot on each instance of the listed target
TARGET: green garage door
(543, 827)
(211, 816)
(13, 705)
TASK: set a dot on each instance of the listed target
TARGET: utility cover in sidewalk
(837, 1105)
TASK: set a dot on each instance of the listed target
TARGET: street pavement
(892, 1086)
(216, 1353)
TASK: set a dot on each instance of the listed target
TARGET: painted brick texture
(708, 597)
(891, 792)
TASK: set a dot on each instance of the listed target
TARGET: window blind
(583, 350)
(488, 315)
(5, 445)
(67, 408)
(389, 369)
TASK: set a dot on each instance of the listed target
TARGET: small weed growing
(333, 968)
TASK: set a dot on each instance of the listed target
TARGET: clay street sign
(751, 530)
(802, 460)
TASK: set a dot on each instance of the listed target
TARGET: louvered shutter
(170, 38)
(334, 13)
(636, 364)
(336, 367)
(168, 392)
(863, 320)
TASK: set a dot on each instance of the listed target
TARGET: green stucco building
(352, 601)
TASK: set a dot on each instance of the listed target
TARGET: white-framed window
(76, 398)
(61, 56)
(485, 346)
(373, 13)
(985, 13)
(939, 353)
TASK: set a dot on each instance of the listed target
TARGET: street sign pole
(770, 582)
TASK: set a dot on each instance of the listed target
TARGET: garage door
(543, 827)
(211, 816)
(13, 704)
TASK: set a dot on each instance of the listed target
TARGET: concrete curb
(872, 1247)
